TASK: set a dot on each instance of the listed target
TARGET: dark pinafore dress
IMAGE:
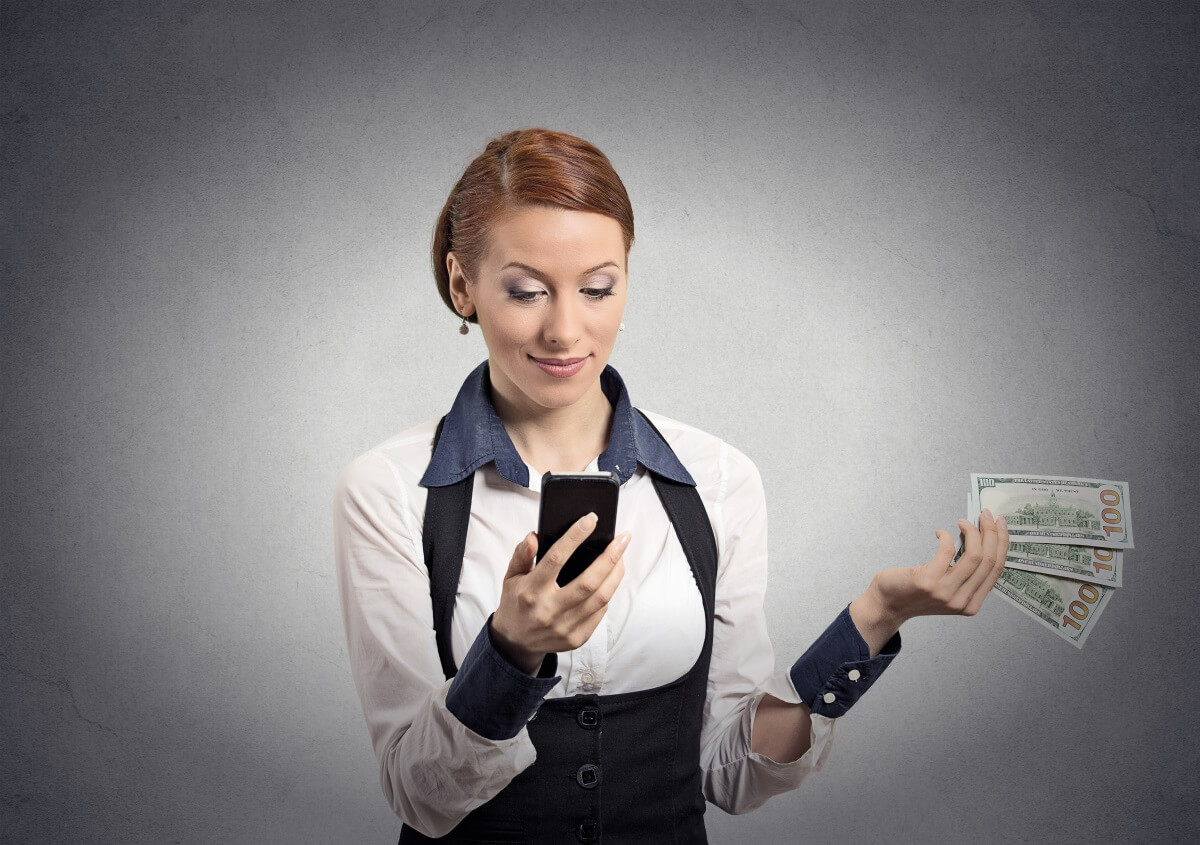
(622, 768)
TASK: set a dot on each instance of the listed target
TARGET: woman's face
(551, 289)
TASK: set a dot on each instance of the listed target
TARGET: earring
(621, 328)
(464, 328)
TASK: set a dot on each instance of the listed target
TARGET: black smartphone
(565, 498)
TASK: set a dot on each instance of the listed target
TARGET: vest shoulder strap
(444, 541)
(692, 525)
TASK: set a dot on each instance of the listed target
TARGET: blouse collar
(473, 435)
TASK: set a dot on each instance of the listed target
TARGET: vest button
(587, 831)
(588, 775)
(588, 717)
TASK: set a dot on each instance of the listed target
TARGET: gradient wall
(879, 246)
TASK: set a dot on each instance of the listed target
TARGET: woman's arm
(434, 769)
(745, 761)
(893, 597)
(782, 729)
(765, 730)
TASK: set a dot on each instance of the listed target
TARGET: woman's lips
(560, 367)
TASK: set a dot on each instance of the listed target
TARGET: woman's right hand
(536, 616)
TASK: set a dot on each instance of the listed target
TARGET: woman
(504, 708)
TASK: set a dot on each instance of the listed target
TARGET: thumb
(522, 559)
(942, 559)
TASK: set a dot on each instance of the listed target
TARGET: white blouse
(433, 769)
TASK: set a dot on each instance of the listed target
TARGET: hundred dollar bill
(1056, 509)
(1068, 607)
(1094, 564)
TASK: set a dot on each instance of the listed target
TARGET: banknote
(1055, 509)
(1094, 564)
(1068, 607)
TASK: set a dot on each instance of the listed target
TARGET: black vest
(616, 769)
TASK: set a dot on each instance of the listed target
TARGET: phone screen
(565, 498)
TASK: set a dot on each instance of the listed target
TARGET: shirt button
(828, 697)
(855, 674)
(587, 677)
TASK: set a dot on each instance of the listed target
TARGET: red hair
(524, 167)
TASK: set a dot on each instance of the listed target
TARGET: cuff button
(828, 698)
(855, 674)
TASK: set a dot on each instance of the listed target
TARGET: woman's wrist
(525, 660)
(875, 620)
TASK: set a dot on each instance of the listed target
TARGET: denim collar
(473, 435)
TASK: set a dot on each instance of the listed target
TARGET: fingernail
(623, 540)
(988, 513)
(592, 519)
(1001, 522)
(962, 523)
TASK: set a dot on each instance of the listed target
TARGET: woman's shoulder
(716, 464)
(401, 458)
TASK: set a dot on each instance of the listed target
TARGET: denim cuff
(837, 668)
(493, 697)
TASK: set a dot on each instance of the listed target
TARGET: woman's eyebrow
(533, 271)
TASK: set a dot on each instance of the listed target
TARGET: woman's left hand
(940, 586)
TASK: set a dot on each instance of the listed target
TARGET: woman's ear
(459, 287)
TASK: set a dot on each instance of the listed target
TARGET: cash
(1081, 563)
(1067, 542)
(1056, 509)
(1064, 605)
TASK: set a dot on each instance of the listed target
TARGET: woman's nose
(563, 323)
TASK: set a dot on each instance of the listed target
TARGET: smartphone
(565, 498)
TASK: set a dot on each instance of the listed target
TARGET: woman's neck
(563, 439)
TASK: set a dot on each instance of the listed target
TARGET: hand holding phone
(565, 498)
(537, 613)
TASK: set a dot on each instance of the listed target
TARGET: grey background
(879, 246)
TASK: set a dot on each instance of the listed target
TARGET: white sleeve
(742, 668)
(433, 769)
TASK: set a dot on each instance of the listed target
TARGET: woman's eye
(532, 295)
